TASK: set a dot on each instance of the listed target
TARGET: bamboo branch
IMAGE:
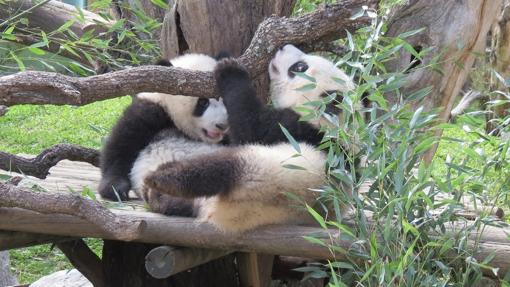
(326, 23)
(41, 164)
(70, 204)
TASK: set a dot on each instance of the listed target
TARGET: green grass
(29, 129)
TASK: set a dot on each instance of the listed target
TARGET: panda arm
(250, 120)
(138, 125)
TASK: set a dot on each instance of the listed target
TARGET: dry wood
(255, 269)
(176, 231)
(456, 30)
(41, 164)
(50, 88)
(182, 33)
(85, 260)
(165, 261)
(14, 239)
(52, 15)
(49, 17)
(70, 204)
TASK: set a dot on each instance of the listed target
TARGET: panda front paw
(228, 73)
(114, 188)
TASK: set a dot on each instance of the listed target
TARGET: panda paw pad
(229, 68)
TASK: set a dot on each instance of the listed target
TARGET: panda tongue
(213, 134)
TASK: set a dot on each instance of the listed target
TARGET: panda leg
(208, 175)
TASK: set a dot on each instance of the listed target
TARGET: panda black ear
(222, 55)
(164, 62)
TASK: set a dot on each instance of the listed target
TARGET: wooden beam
(179, 231)
(85, 260)
(14, 239)
(165, 261)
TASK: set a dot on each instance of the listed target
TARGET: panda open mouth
(215, 135)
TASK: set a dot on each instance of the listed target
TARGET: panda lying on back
(244, 186)
(188, 120)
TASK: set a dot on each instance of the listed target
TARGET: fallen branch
(41, 164)
(325, 24)
(70, 204)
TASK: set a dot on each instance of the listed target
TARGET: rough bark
(455, 29)
(6, 276)
(182, 33)
(282, 240)
(70, 204)
(49, 88)
(48, 18)
(52, 15)
(85, 260)
(40, 165)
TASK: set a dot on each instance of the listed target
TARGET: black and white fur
(244, 186)
(153, 118)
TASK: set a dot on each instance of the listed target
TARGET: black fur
(170, 205)
(164, 62)
(141, 121)
(250, 120)
(204, 176)
(222, 55)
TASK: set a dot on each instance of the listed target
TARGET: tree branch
(325, 24)
(41, 164)
(70, 204)
(85, 260)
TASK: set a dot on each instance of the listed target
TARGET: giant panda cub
(160, 123)
(247, 185)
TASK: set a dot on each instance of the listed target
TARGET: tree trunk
(222, 26)
(455, 29)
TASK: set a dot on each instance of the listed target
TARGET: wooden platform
(66, 176)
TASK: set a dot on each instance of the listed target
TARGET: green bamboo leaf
(291, 139)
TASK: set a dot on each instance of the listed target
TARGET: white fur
(284, 89)
(169, 148)
(180, 108)
(262, 195)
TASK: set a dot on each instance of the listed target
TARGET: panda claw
(114, 188)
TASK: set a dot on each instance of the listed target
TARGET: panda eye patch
(298, 67)
(200, 107)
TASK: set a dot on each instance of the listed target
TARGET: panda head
(199, 118)
(285, 84)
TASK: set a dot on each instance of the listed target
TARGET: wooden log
(255, 269)
(85, 260)
(71, 204)
(50, 88)
(124, 266)
(52, 15)
(165, 261)
(281, 240)
(14, 239)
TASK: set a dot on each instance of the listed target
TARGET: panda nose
(222, 127)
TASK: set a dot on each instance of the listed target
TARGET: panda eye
(298, 67)
(200, 107)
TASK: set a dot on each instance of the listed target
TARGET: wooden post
(255, 269)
